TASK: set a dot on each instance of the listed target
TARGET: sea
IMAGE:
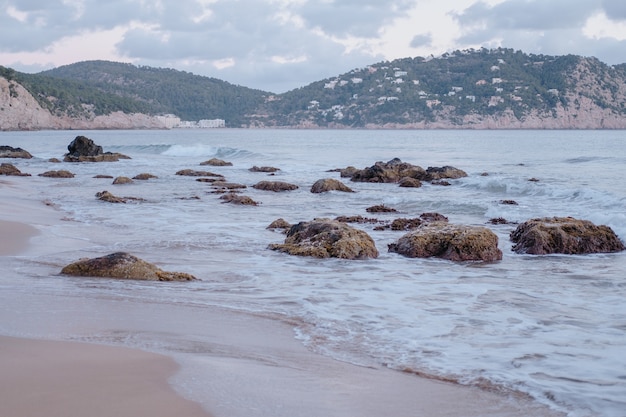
(552, 327)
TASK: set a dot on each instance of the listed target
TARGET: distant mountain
(499, 88)
(188, 96)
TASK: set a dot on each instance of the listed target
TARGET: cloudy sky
(278, 45)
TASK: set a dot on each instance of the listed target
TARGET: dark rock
(263, 169)
(433, 217)
(122, 265)
(83, 149)
(228, 186)
(275, 186)
(9, 169)
(54, 160)
(10, 152)
(533, 179)
(381, 208)
(57, 174)
(498, 220)
(565, 235)
(443, 183)
(509, 202)
(347, 172)
(101, 176)
(329, 184)
(217, 163)
(452, 242)
(325, 238)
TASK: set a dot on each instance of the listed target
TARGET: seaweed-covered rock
(57, 174)
(565, 235)
(329, 184)
(447, 241)
(325, 238)
(10, 169)
(275, 186)
(10, 152)
(122, 265)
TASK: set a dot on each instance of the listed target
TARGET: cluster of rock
(429, 235)
(402, 173)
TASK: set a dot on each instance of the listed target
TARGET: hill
(499, 88)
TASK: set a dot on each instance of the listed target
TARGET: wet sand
(246, 365)
(61, 379)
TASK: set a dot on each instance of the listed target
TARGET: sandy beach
(247, 365)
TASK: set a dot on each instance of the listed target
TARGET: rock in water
(123, 266)
(329, 184)
(10, 152)
(448, 241)
(325, 238)
(565, 235)
(83, 146)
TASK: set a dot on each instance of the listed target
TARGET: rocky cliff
(20, 111)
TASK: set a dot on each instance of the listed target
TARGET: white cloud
(282, 44)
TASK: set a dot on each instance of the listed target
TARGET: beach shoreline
(231, 363)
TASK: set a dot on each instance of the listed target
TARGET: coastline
(239, 364)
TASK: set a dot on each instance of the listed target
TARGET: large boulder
(329, 184)
(325, 238)
(123, 266)
(10, 152)
(449, 241)
(565, 235)
(83, 149)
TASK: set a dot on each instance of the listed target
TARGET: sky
(279, 45)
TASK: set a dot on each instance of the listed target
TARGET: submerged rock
(381, 208)
(122, 180)
(195, 173)
(329, 184)
(238, 199)
(325, 238)
(447, 241)
(144, 176)
(565, 235)
(122, 265)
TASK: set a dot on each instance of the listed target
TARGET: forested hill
(499, 88)
(188, 96)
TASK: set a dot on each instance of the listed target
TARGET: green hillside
(188, 96)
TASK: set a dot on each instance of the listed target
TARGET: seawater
(550, 326)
